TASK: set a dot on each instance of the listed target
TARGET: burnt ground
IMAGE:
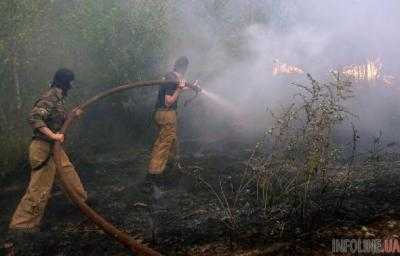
(187, 219)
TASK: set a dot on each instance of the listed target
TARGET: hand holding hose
(182, 84)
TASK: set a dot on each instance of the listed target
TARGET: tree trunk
(3, 120)
(14, 65)
(251, 13)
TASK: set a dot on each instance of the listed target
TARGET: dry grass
(290, 164)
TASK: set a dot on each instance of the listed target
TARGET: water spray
(220, 101)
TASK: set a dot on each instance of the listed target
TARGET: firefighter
(46, 119)
(165, 147)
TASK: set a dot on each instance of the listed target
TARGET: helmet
(181, 64)
(62, 79)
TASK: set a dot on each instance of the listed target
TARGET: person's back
(167, 89)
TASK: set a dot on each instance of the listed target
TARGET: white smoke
(235, 61)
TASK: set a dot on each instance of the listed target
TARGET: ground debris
(224, 250)
(140, 204)
(188, 223)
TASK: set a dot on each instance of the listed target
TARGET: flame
(279, 68)
(370, 71)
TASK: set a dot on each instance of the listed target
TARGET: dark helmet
(181, 64)
(62, 79)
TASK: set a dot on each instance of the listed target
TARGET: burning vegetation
(281, 68)
(371, 71)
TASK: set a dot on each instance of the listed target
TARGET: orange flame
(371, 71)
(279, 68)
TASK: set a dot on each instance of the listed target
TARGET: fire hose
(100, 221)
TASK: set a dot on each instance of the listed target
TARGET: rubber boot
(146, 187)
(15, 237)
(8, 249)
(153, 185)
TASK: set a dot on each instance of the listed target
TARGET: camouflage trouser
(31, 208)
(166, 144)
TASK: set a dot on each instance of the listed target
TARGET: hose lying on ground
(101, 222)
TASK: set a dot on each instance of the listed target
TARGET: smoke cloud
(235, 61)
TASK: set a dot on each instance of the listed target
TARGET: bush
(289, 167)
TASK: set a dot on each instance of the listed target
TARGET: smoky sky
(312, 30)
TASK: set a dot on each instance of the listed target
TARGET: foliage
(295, 160)
(299, 151)
(106, 43)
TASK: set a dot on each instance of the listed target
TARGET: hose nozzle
(195, 86)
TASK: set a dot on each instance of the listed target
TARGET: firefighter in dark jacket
(165, 147)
